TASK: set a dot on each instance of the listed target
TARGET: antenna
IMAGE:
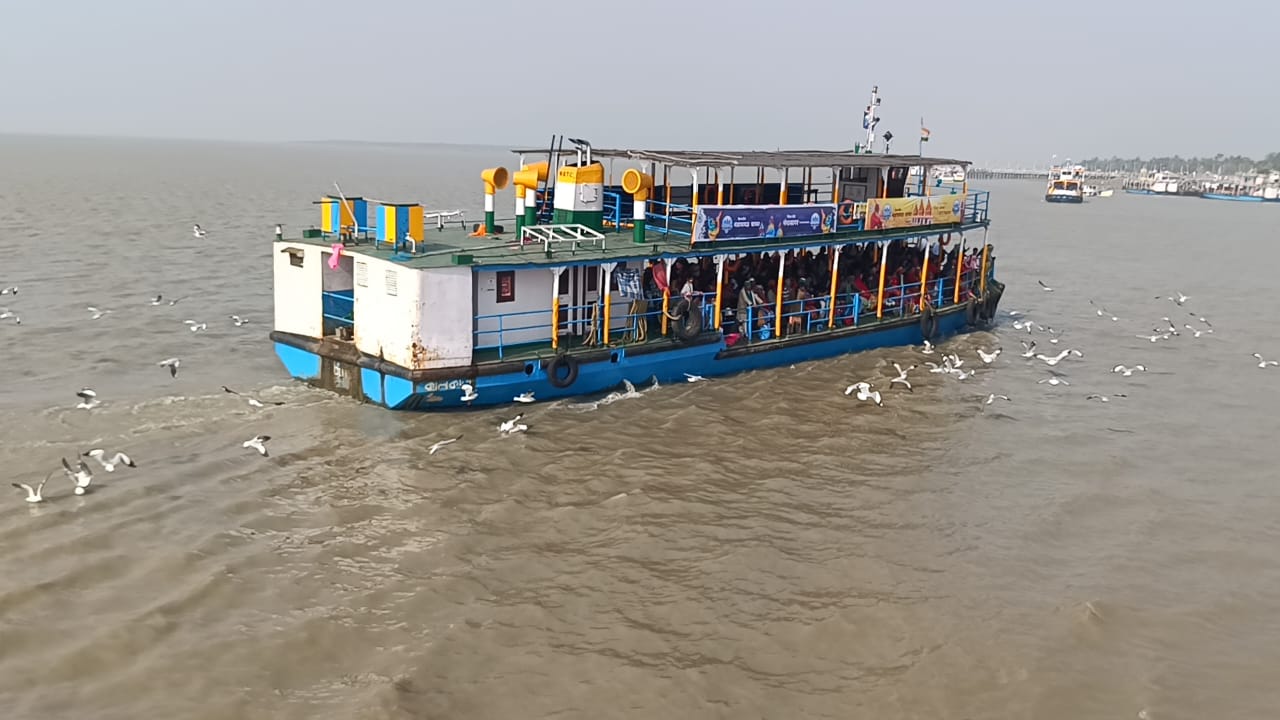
(870, 117)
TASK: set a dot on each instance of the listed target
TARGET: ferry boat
(1255, 188)
(629, 266)
(1162, 183)
(1066, 185)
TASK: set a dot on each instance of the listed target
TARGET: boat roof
(759, 158)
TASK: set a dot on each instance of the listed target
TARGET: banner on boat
(886, 213)
(745, 222)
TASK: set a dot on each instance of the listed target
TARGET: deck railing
(529, 326)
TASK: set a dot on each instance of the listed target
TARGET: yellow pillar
(662, 266)
(835, 272)
(720, 260)
(982, 278)
(924, 275)
(777, 310)
(555, 322)
(719, 189)
(782, 191)
(730, 183)
(959, 269)
(884, 264)
(835, 185)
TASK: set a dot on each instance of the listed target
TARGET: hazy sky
(996, 81)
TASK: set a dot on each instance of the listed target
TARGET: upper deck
(587, 206)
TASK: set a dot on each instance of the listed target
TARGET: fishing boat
(1162, 183)
(1066, 185)
(629, 266)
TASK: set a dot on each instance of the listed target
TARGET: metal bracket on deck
(553, 237)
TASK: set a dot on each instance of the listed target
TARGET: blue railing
(338, 308)
(529, 326)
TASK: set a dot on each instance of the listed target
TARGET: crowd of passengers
(750, 285)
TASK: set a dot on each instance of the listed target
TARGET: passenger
(745, 300)
(687, 295)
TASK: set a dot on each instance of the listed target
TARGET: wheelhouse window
(506, 286)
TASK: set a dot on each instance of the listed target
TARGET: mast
(870, 117)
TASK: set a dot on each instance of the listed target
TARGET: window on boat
(506, 286)
(593, 279)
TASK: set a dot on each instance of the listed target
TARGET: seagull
(259, 443)
(97, 314)
(177, 300)
(195, 326)
(524, 397)
(1023, 325)
(1263, 363)
(12, 290)
(1053, 381)
(437, 445)
(33, 496)
(864, 392)
(512, 426)
(469, 392)
(902, 376)
(81, 475)
(962, 375)
(928, 348)
(1103, 312)
(1197, 333)
(157, 299)
(198, 231)
(1177, 299)
(109, 464)
(945, 367)
(1104, 398)
(693, 378)
(988, 358)
(1051, 361)
(1014, 313)
(1172, 328)
(1201, 319)
(1028, 350)
(239, 320)
(993, 397)
(1153, 338)
(1046, 287)
(172, 364)
(10, 314)
(253, 401)
(1127, 371)
(88, 399)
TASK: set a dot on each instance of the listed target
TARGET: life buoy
(928, 323)
(972, 313)
(847, 212)
(689, 326)
(569, 364)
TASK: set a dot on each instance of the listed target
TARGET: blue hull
(1234, 198)
(601, 376)
(1073, 199)
(1132, 191)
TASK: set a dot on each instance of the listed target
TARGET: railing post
(959, 268)
(720, 261)
(777, 311)
(835, 272)
(924, 274)
(884, 261)
(982, 278)
(555, 307)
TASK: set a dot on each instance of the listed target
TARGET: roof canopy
(762, 158)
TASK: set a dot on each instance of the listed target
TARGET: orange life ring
(848, 212)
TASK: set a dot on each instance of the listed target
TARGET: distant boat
(1106, 193)
(1066, 185)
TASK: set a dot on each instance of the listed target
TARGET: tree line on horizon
(1220, 163)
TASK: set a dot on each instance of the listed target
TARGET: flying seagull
(512, 426)
(902, 376)
(1153, 338)
(198, 231)
(1104, 398)
(1263, 363)
(988, 358)
(97, 314)
(109, 464)
(469, 392)
(33, 495)
(1177, 298)
(437, 445)
(928, 348)
(1197, 333)
(524, 397)
(10, 314)
(195, 326)
(1046, 287)
(81, 475)
(1053, 381)
(993, 397)
(693, 378)
(1028, 350)
(239, 320)
(259, 443)
(172, 364)
(88, 399)
(1051, 361)
(255, 402)
(1127, 371)
(864, 392)
(12, 290)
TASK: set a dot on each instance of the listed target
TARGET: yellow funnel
(637, 183)
(494, 179)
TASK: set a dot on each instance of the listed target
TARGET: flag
(924, 131)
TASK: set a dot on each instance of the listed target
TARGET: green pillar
(488, 213)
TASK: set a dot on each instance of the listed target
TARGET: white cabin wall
(340, 279)
(298, 308)
(445, 317)
(532, 293)
(386, 324)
